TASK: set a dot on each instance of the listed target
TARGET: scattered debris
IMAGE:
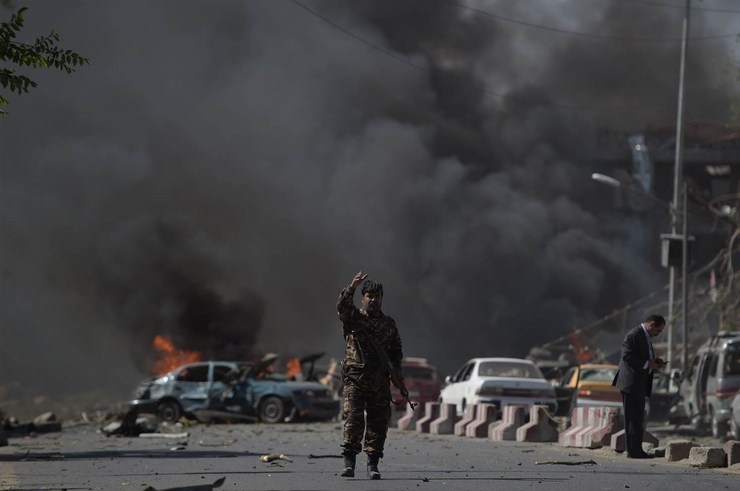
(29, 457)
(217, 443)
(325, 456)
(201, 487)
(566, 462)
(44, 423)
(164, 435)
(274, 456)
(131, 425)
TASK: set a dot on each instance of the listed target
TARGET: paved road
(80, 458)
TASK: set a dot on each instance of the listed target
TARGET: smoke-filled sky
(222, 169)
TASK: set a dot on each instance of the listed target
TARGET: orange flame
(294, 368)
(171, 357)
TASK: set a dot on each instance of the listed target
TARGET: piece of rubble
(566, 462)
(184, 434)
(44, 418)
(130, 425)
(619, 440)
(47, 423)
(274, 456)
(201, 487)
(165, 427)
(707, 457)
(676, 450)
(216, 443)
(732, 449)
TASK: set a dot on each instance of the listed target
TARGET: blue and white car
(231, 388)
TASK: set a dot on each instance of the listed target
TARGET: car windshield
(604, 374)
(508, 369)
(419, 373)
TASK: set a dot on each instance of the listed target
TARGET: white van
(710, 384)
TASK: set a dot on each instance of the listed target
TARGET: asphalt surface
(82, 458)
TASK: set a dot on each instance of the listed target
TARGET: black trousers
(634, 421)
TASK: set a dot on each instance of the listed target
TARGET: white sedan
(498, 381)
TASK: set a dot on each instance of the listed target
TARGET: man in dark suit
(635, 380)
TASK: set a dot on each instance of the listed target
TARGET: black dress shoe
(641, 456)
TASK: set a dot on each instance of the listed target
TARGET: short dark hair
(656, 319)
(372, 287)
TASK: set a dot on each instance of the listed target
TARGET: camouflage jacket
(359, 355)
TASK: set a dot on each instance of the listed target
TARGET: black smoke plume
(222, 169)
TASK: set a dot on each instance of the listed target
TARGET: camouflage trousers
(361, 398)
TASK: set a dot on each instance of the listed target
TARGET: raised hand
(358, 279)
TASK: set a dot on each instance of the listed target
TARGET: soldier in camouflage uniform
(366, 373)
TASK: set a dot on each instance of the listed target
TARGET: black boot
(349, 466)
(372, 467)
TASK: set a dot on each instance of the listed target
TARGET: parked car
(735, 418)
(710, 384)
(589, 385)
(422, 381)
(498, 381)
(231, 389)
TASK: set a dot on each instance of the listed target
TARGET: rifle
(394, 374)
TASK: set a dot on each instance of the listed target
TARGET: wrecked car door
(567, 392)
(192, 385)
(220, 388)
(700, 388)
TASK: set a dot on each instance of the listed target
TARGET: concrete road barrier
(578, 419)
(431, 412)
(445, 423)
(608, 421)
(469, 415)
(540, 428)
(511, 419)
(485, 414)
(409, 419)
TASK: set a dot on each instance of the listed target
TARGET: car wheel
(719, 429)
(272, 410)
(169, 411)
(734, 429)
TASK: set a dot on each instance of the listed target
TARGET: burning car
(232, 390)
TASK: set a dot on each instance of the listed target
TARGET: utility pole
(684, 277)
(677, 180)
